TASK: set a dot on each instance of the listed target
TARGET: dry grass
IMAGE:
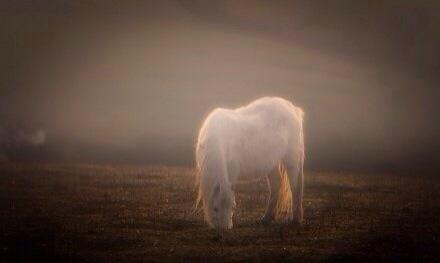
(76, 212)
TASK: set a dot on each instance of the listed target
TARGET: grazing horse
(263, 138)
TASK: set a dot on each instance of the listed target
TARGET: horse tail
(283, 209)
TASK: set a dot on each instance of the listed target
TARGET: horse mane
(211, 171)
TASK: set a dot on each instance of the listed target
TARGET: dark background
(131, 81)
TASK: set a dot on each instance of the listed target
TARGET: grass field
(79, 212)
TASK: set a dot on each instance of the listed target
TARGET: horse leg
(273, 181)
(296, 179)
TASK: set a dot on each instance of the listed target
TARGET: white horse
(264, 138)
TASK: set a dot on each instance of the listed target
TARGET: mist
(132, 82)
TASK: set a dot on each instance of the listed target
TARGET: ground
(80, 212)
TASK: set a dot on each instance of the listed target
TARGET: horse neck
(214, 168)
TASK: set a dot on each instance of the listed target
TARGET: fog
(130, 82)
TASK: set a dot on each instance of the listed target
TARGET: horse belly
(259, 158)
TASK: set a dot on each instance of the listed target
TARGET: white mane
(264, 138)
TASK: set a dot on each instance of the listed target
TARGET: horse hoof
(264, 221)
(296, 223)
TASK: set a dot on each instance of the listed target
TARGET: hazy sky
(133, 80)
